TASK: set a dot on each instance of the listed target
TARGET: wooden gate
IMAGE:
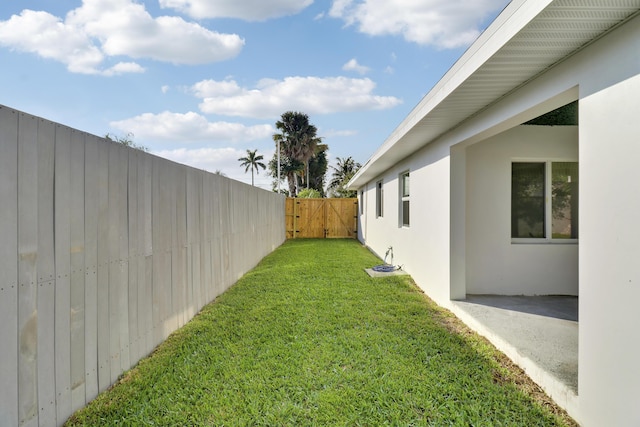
(321, 218)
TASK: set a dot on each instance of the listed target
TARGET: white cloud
(189, 127)
(211, 88)
(248, 10)
(165, 89)
(126, 28)
(270, 98)
(123, 68)
(440, 23)
(100, 29)
(353, 65)
(49, 37)
(224, 160)
(210, 159)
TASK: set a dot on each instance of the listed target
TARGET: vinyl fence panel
(62, 300)
(77, 276)
(91, 211)
(105, 251)
(46, 382)
(27, 268)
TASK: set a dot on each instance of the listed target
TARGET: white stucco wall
(423, 247)
(609, 376)
(495, 265)
(605, 78)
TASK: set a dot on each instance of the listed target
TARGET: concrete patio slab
(540, 334)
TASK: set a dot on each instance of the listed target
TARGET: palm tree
(297, 140)
(317, 168)
(344, 170)
(252, 161)
(309, 148)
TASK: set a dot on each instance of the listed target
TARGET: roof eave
(474, 76)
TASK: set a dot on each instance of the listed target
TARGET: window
(379, 199)
(404, 198)
(533, 184)
(361, 202)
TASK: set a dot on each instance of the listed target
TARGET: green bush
(309, 193)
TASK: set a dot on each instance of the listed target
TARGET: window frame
(404, 198)
(548, 198)
(379, 199)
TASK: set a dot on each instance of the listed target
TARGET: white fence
(104, 251)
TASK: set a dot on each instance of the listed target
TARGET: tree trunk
(292, 184)
(307, 180)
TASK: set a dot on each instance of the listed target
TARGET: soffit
(555, 33)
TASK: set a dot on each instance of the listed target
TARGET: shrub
(309, 193)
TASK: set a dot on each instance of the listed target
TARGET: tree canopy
(302, 154)
(344, 170)
(567, 115)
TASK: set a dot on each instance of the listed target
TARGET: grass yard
(307, 338)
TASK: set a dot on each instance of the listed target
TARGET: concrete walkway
(539, 333)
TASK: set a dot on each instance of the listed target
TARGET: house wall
(495, 265)
(604, 77)
(104, 251)
(423, 247)
(609, 375)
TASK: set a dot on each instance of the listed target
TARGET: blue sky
(202, 81)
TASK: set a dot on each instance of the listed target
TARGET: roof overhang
(525, 40)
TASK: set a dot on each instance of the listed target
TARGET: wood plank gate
(321, 218)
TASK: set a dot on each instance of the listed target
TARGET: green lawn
(307, 338)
